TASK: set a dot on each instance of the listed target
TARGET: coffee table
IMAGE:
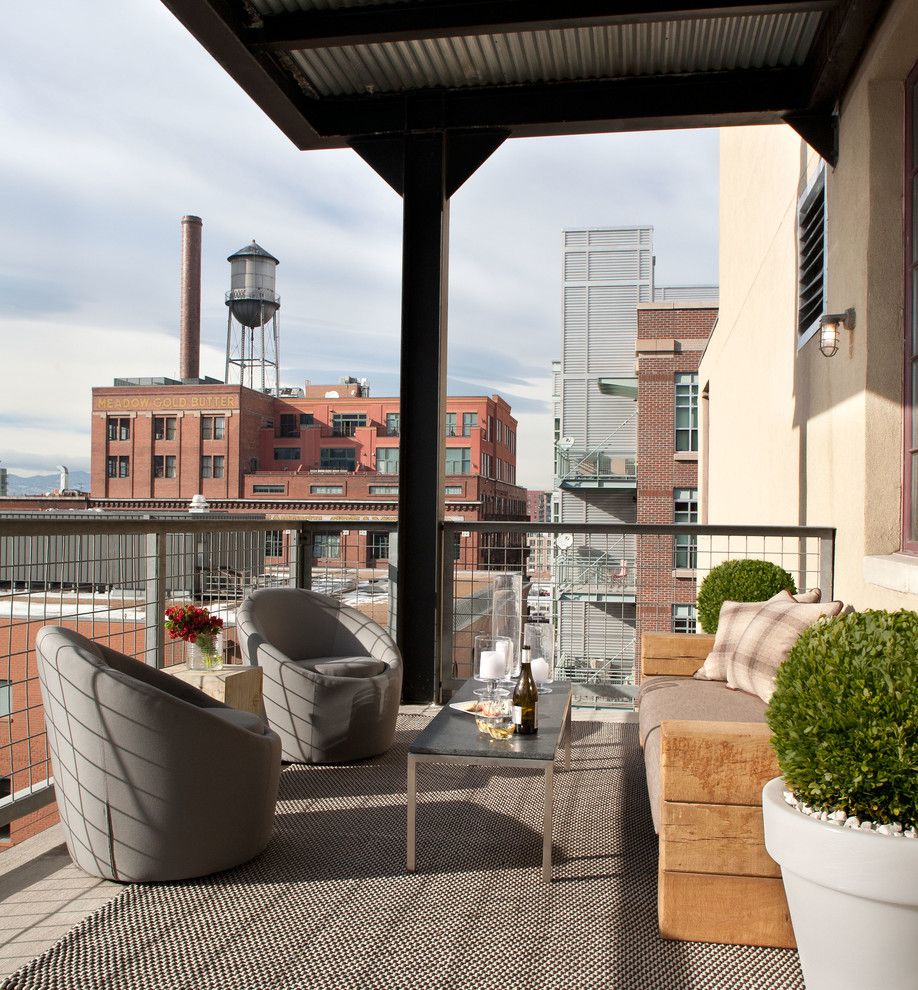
(453, 737)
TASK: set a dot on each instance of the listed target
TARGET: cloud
(103, 155)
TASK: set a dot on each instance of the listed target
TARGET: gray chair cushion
(154, 780)
(332, 676)
(662, 699)
(346, 666)
(243, 720)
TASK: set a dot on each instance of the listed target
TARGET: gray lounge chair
(332, 676)
(154, 779)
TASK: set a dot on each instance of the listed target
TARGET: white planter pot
(853, 898)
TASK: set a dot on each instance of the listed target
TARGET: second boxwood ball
(739, 581)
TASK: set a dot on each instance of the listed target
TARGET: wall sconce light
(829, 326)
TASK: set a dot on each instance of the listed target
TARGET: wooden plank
(673, 653)
(669, 666)
(715, 762)
(698, 907)
(725, 839)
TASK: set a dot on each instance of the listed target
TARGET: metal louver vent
(811, 227)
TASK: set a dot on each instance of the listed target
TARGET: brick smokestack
(190, 315)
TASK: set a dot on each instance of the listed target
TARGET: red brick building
(327, 451)
(671, 337)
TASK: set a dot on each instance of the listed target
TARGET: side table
(236, 685)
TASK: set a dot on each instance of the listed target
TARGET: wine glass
(539, 636)
(496, 717)
(492, 662)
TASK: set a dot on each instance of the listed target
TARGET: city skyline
(105, 158)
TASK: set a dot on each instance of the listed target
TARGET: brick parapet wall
(680, 334)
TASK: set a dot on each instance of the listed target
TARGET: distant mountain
(38, 484)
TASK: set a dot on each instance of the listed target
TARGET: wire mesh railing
(601, 586)
(112, 577)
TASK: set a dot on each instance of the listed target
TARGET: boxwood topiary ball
(739, 581)
(845, 716)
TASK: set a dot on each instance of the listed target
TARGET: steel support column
(425, 169)
(423, 395)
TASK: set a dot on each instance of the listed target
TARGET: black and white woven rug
(329, 906)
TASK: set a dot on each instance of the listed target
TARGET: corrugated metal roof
(701, 44)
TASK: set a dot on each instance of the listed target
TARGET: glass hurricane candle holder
(540, 638)
(493, 658)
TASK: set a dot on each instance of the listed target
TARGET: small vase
(206, 653)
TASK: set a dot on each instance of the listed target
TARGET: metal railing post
(154, 617)
(444, 670)
(827, 567)
(300, 558)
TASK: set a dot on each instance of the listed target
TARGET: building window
(490, 436)
(326, 545)
(387, 460)
(286, 453)
(486, 461)
(393, 424)
(453, 490)
(685, 510)
(337, 458)
(163, 466)
(212, 466)
(213, 427)
(119, 428)
(306, 419)
(458, 460)
(6, 701)
(811, 256)
(910, 433)
(469, 420)
(684, 619)
(345, 424)
(384, 489)
(268, 489)
(326, 489)
(274, 543)
(119, 467)
(450, 424)
(687, 412)
(377, 546)
(288, 427)
(164, 427)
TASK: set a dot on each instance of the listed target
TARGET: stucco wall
(796, 437)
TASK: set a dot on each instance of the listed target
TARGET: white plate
(464, 706)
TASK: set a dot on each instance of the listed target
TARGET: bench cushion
(664, 698)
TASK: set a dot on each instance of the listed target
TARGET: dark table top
(453, 733)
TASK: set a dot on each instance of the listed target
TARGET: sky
(116, 123)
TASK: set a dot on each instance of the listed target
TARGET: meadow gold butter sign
(104, 403)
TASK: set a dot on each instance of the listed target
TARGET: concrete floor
(43, 895)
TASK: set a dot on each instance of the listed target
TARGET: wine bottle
(526, 698)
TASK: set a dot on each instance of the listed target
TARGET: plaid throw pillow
(768, 639)
(732, 623)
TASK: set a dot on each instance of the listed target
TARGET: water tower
(251, 346)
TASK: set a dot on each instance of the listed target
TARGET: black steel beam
(819, 128)
(843, 36)
(425, 237)
(216, 24)
(567, 107)
(392, 22)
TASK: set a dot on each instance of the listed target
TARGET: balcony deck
(329, 904)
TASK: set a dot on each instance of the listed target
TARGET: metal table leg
(412, 810)
(549, 818)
